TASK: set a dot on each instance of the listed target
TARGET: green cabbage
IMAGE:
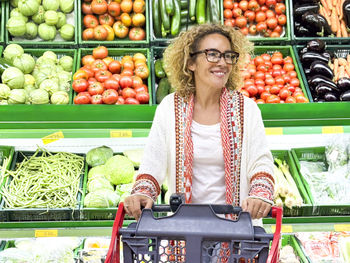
(13, 77)
(98, 156)
(51, 17)
(47, 32)
(25, 63)
(39, 96)
(4, 102)
(99, 183)
(123, 190)
(50, 55)
(28, 7)
(29, 88)
(4, 92)
(59, 97)
(67, 32)
(39, 17)
(17, 96)
(16, 13)
(67, 63)
(135, 155)
(13, 50)
(97, 171)
(120, 170)
(42, 74)
(29, 80)
(16, 26)
(50, 85)
(14, 3)
(51, 4)
(66, 6)
(61, 20)
(101, 198)
(31, 30)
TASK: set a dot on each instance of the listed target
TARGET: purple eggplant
(345, 96)
(343, 84)
(319, 67)
(322, 89)
(316, 45)
(319, 79)
(331, 96)
(309, 57)
(316, 23)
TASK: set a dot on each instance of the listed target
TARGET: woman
(207, 140)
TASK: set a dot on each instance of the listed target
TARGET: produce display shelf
(44, 44)
(291, 240)
(2, 22)
(125, 42)
(118, 53)
(8, 152)
(40, 214)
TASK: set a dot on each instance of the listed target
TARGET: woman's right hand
(133, 204)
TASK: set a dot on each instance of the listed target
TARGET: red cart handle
(277, 212)
(113, 255)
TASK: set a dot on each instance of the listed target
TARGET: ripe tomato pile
(256, 17)
(103, 80)
(272, 79)
(106, 20)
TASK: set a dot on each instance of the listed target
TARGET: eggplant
(345, 96)
(322, 89)
(307, 72)
(316, 23)
(319, 99)
(343, 84)
(319, 79)
(302, 31)
(316, 45)
(328, 54)
(330, 96)
(346, 12)
(319, 67)
(303, 51)
(309, 57)
(301, 9)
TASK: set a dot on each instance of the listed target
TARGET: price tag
(332, 129)
(121, 133)
(53, 137)
(274, 131)
(342, 227)
(46, 233)
(284, 229)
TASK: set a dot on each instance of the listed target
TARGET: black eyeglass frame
(222, 55)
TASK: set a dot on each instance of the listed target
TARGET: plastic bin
(117, 42)
(118, 53)
(41, 214)
(42, 43)
(317, 154)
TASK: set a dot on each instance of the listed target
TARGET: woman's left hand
(256, 207)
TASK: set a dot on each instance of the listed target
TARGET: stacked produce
(163, 86)
(103, 79)
(264, 18)
(46, 181)
(114, 19)
(272, 79)
(95, 249)
(30, 18)
(286, 191)
(107, 171)
(327, 73)
(34, 81)
(321, 18)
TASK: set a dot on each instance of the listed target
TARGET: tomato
(137, 33)
(114, 67)
(126, 6)
(128, 64)
(96, 99)
(250, 15)
(100, 33)
(110, 96)
(139, 56)
(142, 88)
(275, 59)
(136, 81)
(269, 81)
(142, 72)
(261, 2)
(228, 4)
(127, 72)
(274, 34)
(125, 82)
(86, 8)
(88, 70)
(106, 19)
(279, 80)
(229, 22)
(243, 5)
(275, 89)
(263, 68)
(126, 57)
(270, 3)
(96, 88)
(116, 76)
(282, 19)
(82, 98)
(120, 101)
(269, 13)
(244, 92)
(288, 67)
(301, 99)
(88, 34)
(277, 73)
(131, 101)
(128, 93)
(99, 7)
(290, 99)
(236, 12)
(80, 74)
(248, 82)
(253, 5)
(100, 52)
(120, 30)
(259, 75)
(266, 57)
(228, 13)
(264, 95)
(142, 97)
(273, 99)
(260, 101)
(90, 21)
(261, 89)
(278, 29)
(114, 9)
(245, 74)
(280, 8)
(139, 6)
(111, 83)
(126, 19)
(91, 80)
(87, 60)
(259, 82)
(108, 60)
(252, 90)
(260, 16)
(284, 93)
(261, 27)
(138, 20)
(241, 21)
(252, 29)
(272, 22)
(80, 85)
(98, 65)
(103, 75)
(294, 82)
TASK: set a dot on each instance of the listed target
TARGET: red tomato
(278, 29)
(270, 3)
(284, 93)
(244, 92)
(273, 99)
(269, 13)
(106, 19)
(99, 7)
(292, 74)
(280, 8)
(100, 33)
(271, 22)
(88, 34)
(266, 57)
(263, 8)
(120, 101)
(142, 97)
(136, 81)
(264, 95)
(277, 60)
(252, 90)
(248, 82)
(301, 99)
(98, 65)
(261, 27)
(110, 96)
(125, 82)
(111, 83)
(259, 82)
(282, 19)
(100, 52)
(260, 101)
(228, 4)
(80, 74)
(88, 70)
(236, 12)
(259, 75)
(116, 76)
(241, 21)
(114, 9)
(228, 13)
(82, 98)
(103, 75)
(91, 80)
(243, 4)
(275, 89)
(86, 8)
(142, 71)
(127, 72)
(137, 33)
(244, 30)
(288, 67)
(114, 67)
(250, 15)
(90, 21)
(96, 88)
(128, 93)
(262, 68)
(131, 101)
(80, 85)
(96, 99)
(261, 89)
(142, 88)
(258, 60)
(87, 60)
(276, 73)
(294, 82)
(252, 29)
(260, 16)
(229, 22)
(290, 99)
(253, 5)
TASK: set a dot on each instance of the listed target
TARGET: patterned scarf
(231, 127)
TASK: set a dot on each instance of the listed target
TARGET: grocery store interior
(58, 58)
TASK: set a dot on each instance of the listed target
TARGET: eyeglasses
(214, 55)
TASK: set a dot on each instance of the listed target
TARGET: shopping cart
(194, 233)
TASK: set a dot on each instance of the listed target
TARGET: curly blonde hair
(177, 56)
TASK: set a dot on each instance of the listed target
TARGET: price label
(284, 228)
(46, 233)
(332, 129)
(274, 131)
(342, 227)
(53, 137)
(121, 133)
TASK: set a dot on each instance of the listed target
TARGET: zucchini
(170, 7)
(184, 13)
(162, 90)
(164, 32)
(158, 68)
(192, 9)
(164, 15)
(214, 11)
(175, 21)
(156, 18)
(208, 12)
(184, 5)
(4, 64)
(200, 11)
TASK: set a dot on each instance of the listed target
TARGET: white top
(208, 179)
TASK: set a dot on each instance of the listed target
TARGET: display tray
(56, 43)
(316, 154)
(293, 242)
(125, 42)
(41, 214)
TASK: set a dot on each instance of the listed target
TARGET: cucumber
(4, 64)
(164, 15)
(184, 13)
(184, 5)
(162, 90)
(175, 20)
(208, 12)
(164, 32)
(214, 11)
(170, 7)
(156, 18)
(192, 9)
(200, 11)
(158, 68)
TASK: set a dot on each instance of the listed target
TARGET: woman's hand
(256, 207)
(133, 204)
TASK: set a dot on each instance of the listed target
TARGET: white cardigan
(159, 155)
